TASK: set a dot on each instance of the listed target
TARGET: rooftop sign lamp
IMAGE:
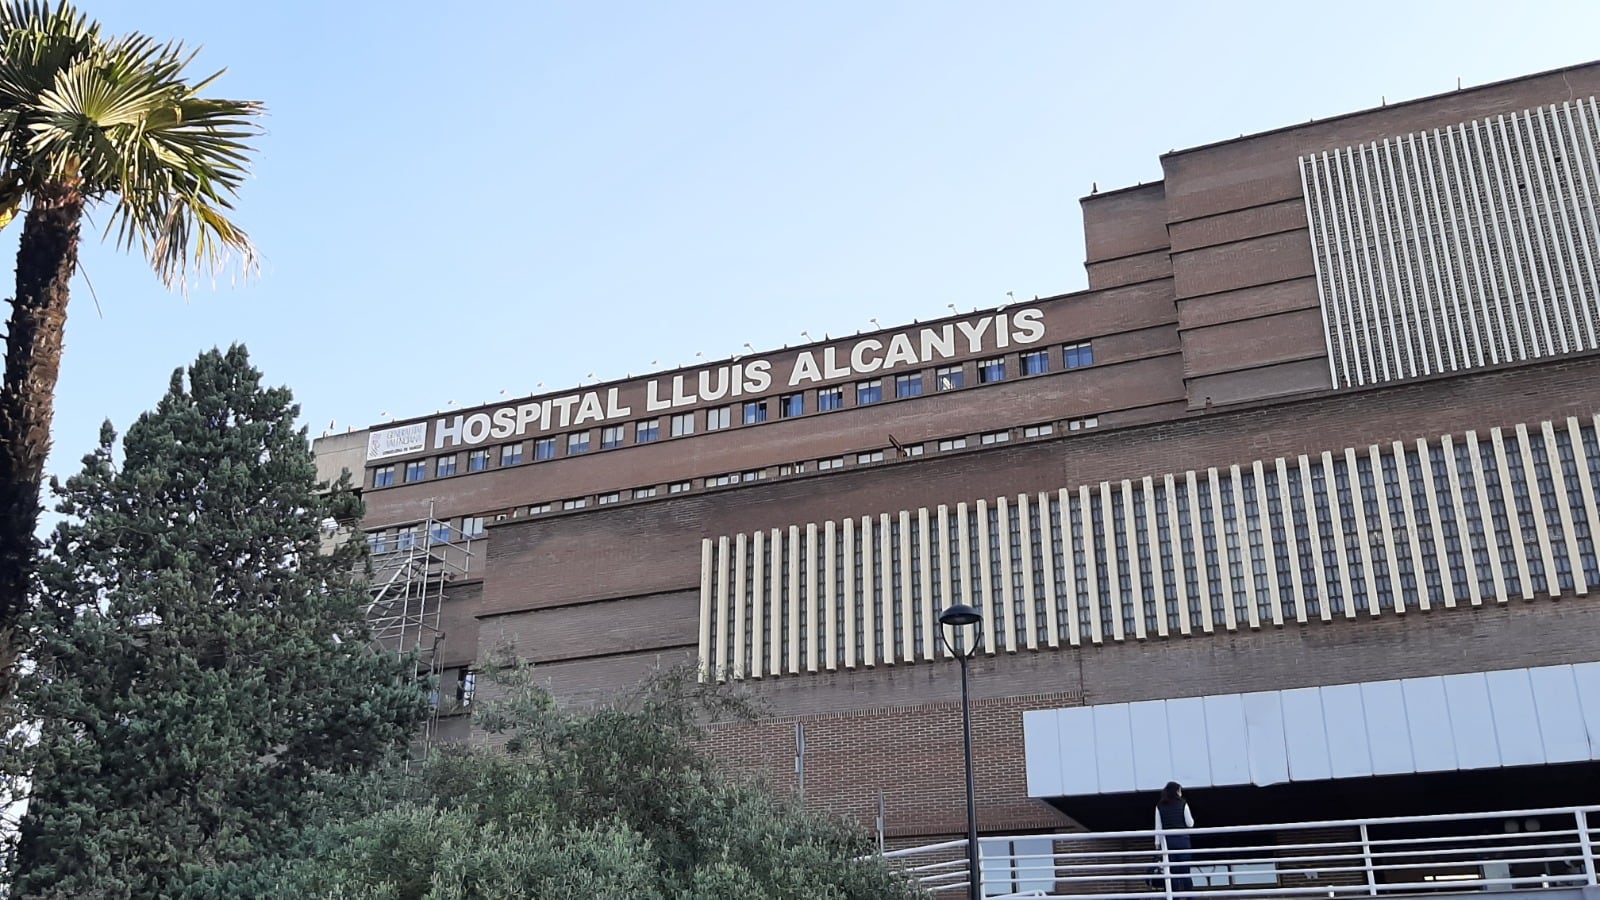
(961, 629)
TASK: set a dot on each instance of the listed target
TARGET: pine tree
(203, 673)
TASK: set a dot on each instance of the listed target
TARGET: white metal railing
(1496, 851)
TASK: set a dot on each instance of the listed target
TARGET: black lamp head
(960, 615)
(963, 621)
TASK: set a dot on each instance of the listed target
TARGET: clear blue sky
(451, 202)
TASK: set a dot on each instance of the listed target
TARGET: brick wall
(1123, 223)
(1195, 350)
(912, 754)
(1236, 219)
(897, 729)
(458, 623)
(1230, 175)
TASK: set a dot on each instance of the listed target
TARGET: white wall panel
(1516, 722)
(1269, 754)
(1191, 755)
(1113, 733)
(1041, 748)
(740, 593)
(1471, 720)
(1433, 746)
(1152, 745)
(1305, 735)
(1076, 735)
(1561, 728)
(1587, 678)
(1383, 704)
(1226, 739)
(1348, 752)
(707, 588)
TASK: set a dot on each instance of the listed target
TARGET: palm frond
(115, 119)
(36, 42)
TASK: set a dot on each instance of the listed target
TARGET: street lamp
(961, 629)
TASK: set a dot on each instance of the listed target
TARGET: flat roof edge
(1401, 103)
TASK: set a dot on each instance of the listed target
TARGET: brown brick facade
(1208, 350)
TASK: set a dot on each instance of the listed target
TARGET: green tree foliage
(203, 669)
(618, 801)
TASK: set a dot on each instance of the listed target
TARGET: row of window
(1389, 528)
(473, 526)
(753, 412)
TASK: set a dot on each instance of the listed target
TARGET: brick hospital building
(1295, 504)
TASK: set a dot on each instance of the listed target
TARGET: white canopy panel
(1479, 720)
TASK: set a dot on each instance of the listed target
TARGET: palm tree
(89, 120)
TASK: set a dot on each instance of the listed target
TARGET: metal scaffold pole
(412, 565)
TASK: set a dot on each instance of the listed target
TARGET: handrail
(1357, 862)
(1298, 826)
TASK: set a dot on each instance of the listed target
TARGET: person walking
(1172, 812)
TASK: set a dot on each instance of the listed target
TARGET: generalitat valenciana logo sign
(395, 441)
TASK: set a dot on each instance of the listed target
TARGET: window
(753, 475)
(908, 385)
(611, 436)
(440, 533)
(1019, 866)
(472, 526)
(1036, 362)
(791, 468)
(869, 391)
(953, 444)
(444, 465)
(824, 465)
(683, 423)
(830, 398)
(383, 476)
(949, 377)
(722, 480)
(407, 537)
(791, 405)
(608, 499)
(416, 470)
(538, 508)
(755, 412)
(647, 431)
(1080, 424)
(678, 487)
(995, 437)
(578, 503)
(641, 493)
(1034, 431)
(378, 542)
(477, 460)
(1076, 356)
(511, 454)
(466, 686)
(1261, 873)
(718, 419)
(991, 370)
(577, 442)
(912, 450)
(873, 457)
(544, 448)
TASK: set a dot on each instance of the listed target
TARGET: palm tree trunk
(46, 258)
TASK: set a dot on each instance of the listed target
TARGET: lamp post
(961, 629)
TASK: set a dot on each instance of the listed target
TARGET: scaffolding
(411, 567)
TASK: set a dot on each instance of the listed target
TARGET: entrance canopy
(1475, 721)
